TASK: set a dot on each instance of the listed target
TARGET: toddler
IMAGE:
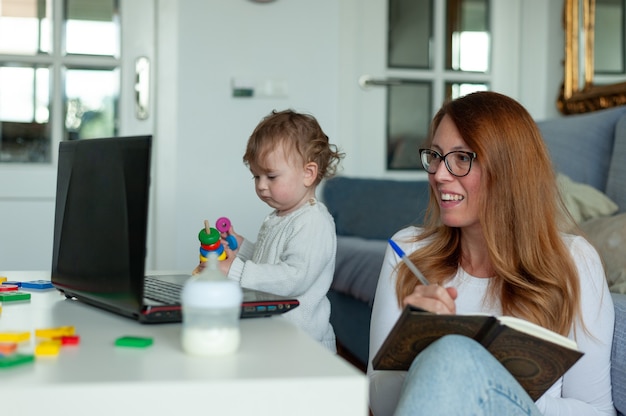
(294, 255)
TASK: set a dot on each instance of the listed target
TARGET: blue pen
(408, 262)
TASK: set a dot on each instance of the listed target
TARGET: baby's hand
(224, 265)
(232, 234)
(199, 268)
(230, 254)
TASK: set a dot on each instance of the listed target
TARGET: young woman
(492, 242)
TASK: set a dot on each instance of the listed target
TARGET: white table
(278, 369)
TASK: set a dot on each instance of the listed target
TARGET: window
(436, 51)
(59, 74)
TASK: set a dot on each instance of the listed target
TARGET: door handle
(142, 87)
(366, 81)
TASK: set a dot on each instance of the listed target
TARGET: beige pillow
(583, 201)
(608, 235)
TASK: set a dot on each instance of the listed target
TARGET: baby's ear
(310, 173)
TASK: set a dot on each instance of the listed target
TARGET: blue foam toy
(231, 241)
(37, 284)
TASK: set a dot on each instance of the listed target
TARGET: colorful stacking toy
(211, 240)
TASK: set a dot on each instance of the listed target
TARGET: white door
(90, 91)
(370, 115)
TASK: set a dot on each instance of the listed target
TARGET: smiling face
(284, 183)
(458, 197)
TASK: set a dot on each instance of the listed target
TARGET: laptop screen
(101, 219)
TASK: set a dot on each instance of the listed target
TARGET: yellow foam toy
(14, 336)
(48, 348)
(55, 332)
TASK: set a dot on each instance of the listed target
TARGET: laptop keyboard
(161, 290)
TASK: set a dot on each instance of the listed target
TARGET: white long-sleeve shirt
(294, 255)
(584, 390)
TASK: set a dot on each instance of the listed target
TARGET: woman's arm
(385, 385)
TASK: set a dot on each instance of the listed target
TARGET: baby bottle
(211, 309)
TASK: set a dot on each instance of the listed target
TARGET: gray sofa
(589, 148)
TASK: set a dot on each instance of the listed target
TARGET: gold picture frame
(576, 96)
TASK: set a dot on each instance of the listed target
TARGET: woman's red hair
(535, 276)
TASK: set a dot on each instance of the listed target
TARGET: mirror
(578, 93)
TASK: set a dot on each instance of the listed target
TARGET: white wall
(310, 46)
(541, 56)
(201, 130)
(294, 42)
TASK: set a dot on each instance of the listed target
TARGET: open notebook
(100, 234)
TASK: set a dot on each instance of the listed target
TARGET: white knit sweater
(294, 256)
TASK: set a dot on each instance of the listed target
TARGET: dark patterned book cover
(535, 356)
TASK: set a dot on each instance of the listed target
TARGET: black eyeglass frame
(471, 155)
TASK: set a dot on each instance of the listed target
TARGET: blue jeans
(456, 376)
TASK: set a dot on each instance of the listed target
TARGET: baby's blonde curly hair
(295, 132)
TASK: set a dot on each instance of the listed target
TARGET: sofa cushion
(584, 202)
(374, 208)
(616, 183)
(608, 236)
(618, 355)
(580, 145)
(357, 267)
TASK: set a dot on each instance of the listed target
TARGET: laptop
(100, 235)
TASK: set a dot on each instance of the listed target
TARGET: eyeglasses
(457, 162)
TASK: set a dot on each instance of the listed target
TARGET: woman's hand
(433, 298)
